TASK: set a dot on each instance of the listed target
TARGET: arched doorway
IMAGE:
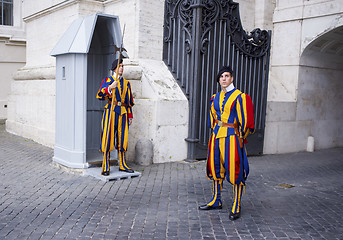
(320, 89)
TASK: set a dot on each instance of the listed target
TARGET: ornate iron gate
(200, 36)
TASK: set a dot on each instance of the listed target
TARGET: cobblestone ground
(41, 201)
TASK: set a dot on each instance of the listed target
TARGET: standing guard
(231, 119)
(117, 117)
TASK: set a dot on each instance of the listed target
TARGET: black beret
(224, 69)
(115, 63)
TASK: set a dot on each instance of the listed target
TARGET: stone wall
(12, 54)
(294, 110)
(12, 57)
(160, 111)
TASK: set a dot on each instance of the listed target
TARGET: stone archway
(320, 87)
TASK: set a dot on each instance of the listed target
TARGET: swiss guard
(115, 126)
(231, 119)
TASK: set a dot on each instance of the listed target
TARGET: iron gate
(200, 36)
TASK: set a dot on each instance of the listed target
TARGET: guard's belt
(235, 126)
(120, 104)
(223, 124)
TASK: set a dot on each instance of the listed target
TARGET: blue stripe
(217, 164)
(124, 120)
(240, 178)
(227, 157)
(245, 165)
(122, 83)
(104, 131)
(107, 164)
(116, 128)
(216, 102)
(227, 95)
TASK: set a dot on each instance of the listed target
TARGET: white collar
(230, 87)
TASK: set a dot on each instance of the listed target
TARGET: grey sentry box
(84, 55)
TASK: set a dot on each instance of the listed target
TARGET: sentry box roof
(78, 37)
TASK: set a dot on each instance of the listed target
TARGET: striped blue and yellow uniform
(118, 125)
(226, 159)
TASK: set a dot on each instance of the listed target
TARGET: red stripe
(237, 161)
(106, 91)
(101, 84)
(250, 112)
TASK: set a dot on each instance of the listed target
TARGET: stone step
(115, 174)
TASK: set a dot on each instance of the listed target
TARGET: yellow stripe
(212, 158)
(125, 89)
(232, 158)
(107, 166)
(113, 118)
(120, 119)
(120, 160)
(237, 192)
(215, 191)
(103, 163)
(239, 197)
(213, 111)
(221, 100)
(239, 112)
(126, 133)
(118, 86)
(245, 111)
(104, 131)
(235, 198)
(222, 156)
(122, 164)
(104, 134)
(226, 113)
(213, 116)
(124, 161)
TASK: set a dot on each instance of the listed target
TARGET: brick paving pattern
(41, 201)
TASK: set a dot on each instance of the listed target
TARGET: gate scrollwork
(199, 37)
(254, 44)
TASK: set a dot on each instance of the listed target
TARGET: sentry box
(84, 55)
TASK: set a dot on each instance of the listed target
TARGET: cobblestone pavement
(41, 201)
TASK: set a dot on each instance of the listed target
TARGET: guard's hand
(130, 121)
(113, 85)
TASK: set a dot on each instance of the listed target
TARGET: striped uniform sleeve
(212, 115)
(129, 100)
(103, 93)
(245, 114)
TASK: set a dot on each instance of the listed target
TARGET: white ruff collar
(229, 88)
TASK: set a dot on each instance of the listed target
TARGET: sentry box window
(63, 73)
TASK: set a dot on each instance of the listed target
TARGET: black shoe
(106, 173)
(234, 216)
(208, 207)
(126, 170)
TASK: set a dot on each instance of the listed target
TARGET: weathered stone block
(144, 152)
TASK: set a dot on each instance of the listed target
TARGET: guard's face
(225, 79)
(121, 69)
